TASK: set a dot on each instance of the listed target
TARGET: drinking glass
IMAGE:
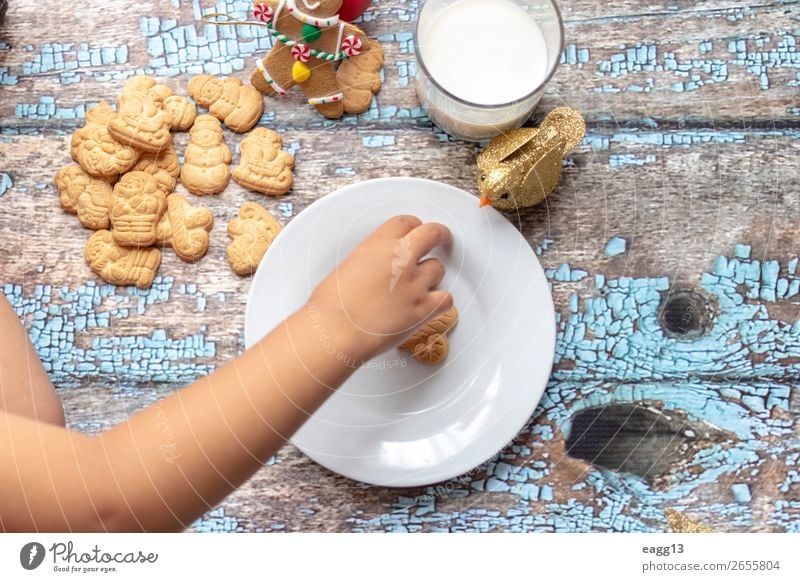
(475, 121)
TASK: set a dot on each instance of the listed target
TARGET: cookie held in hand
(120, 265)
(185, 228)
(429, 344)
(252, 233)
(237, 105)
(264, 166)
(206, 164)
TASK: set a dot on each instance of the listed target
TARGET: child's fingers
(431, 273)
(425, 238)
(439, 302)
(399, 226)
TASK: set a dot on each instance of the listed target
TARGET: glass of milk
(482, 65)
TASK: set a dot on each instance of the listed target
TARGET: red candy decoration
(352, 45)
(352, 9)
(263, 12)
(301, 53)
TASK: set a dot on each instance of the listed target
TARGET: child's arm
(28, 391)
(167, 465)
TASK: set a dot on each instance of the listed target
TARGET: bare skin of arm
(222, 427)
(24, 386)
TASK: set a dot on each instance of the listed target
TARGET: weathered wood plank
(681, 198)
(707, 64)
(674, 191)
(547, 490)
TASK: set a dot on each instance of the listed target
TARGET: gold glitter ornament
(521, 167)
(679, 523)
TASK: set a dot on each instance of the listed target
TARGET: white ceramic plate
(396, 422)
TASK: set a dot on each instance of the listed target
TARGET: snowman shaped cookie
(310, 38)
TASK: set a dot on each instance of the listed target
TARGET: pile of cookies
(122, 185)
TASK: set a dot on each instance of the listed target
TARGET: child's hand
(382, 291)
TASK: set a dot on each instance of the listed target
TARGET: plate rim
(465, 467)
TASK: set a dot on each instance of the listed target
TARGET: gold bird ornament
(520, 168)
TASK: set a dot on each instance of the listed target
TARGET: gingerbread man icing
(310, 38)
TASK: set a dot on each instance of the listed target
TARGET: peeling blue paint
(216, 521)
(67, 59)
(47, 109)
(615, 247)
(574, 56)
(405, 41)
(378, 141)
(286, 209)
(757, 56)
(177, 48)
(564, 273)
(5, 182)
(614, 336)
(542, 247)
(621, 160)
(406, 72)
(601, 142)
(293, 148)
(59, 319)
(6, 78)
(741, 492)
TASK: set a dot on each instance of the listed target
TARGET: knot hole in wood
(639, 438)
(685, 314)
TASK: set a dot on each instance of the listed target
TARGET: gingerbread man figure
(309, 39)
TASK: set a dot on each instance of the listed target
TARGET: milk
(485, 52)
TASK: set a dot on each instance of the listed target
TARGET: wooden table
(671, 245)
